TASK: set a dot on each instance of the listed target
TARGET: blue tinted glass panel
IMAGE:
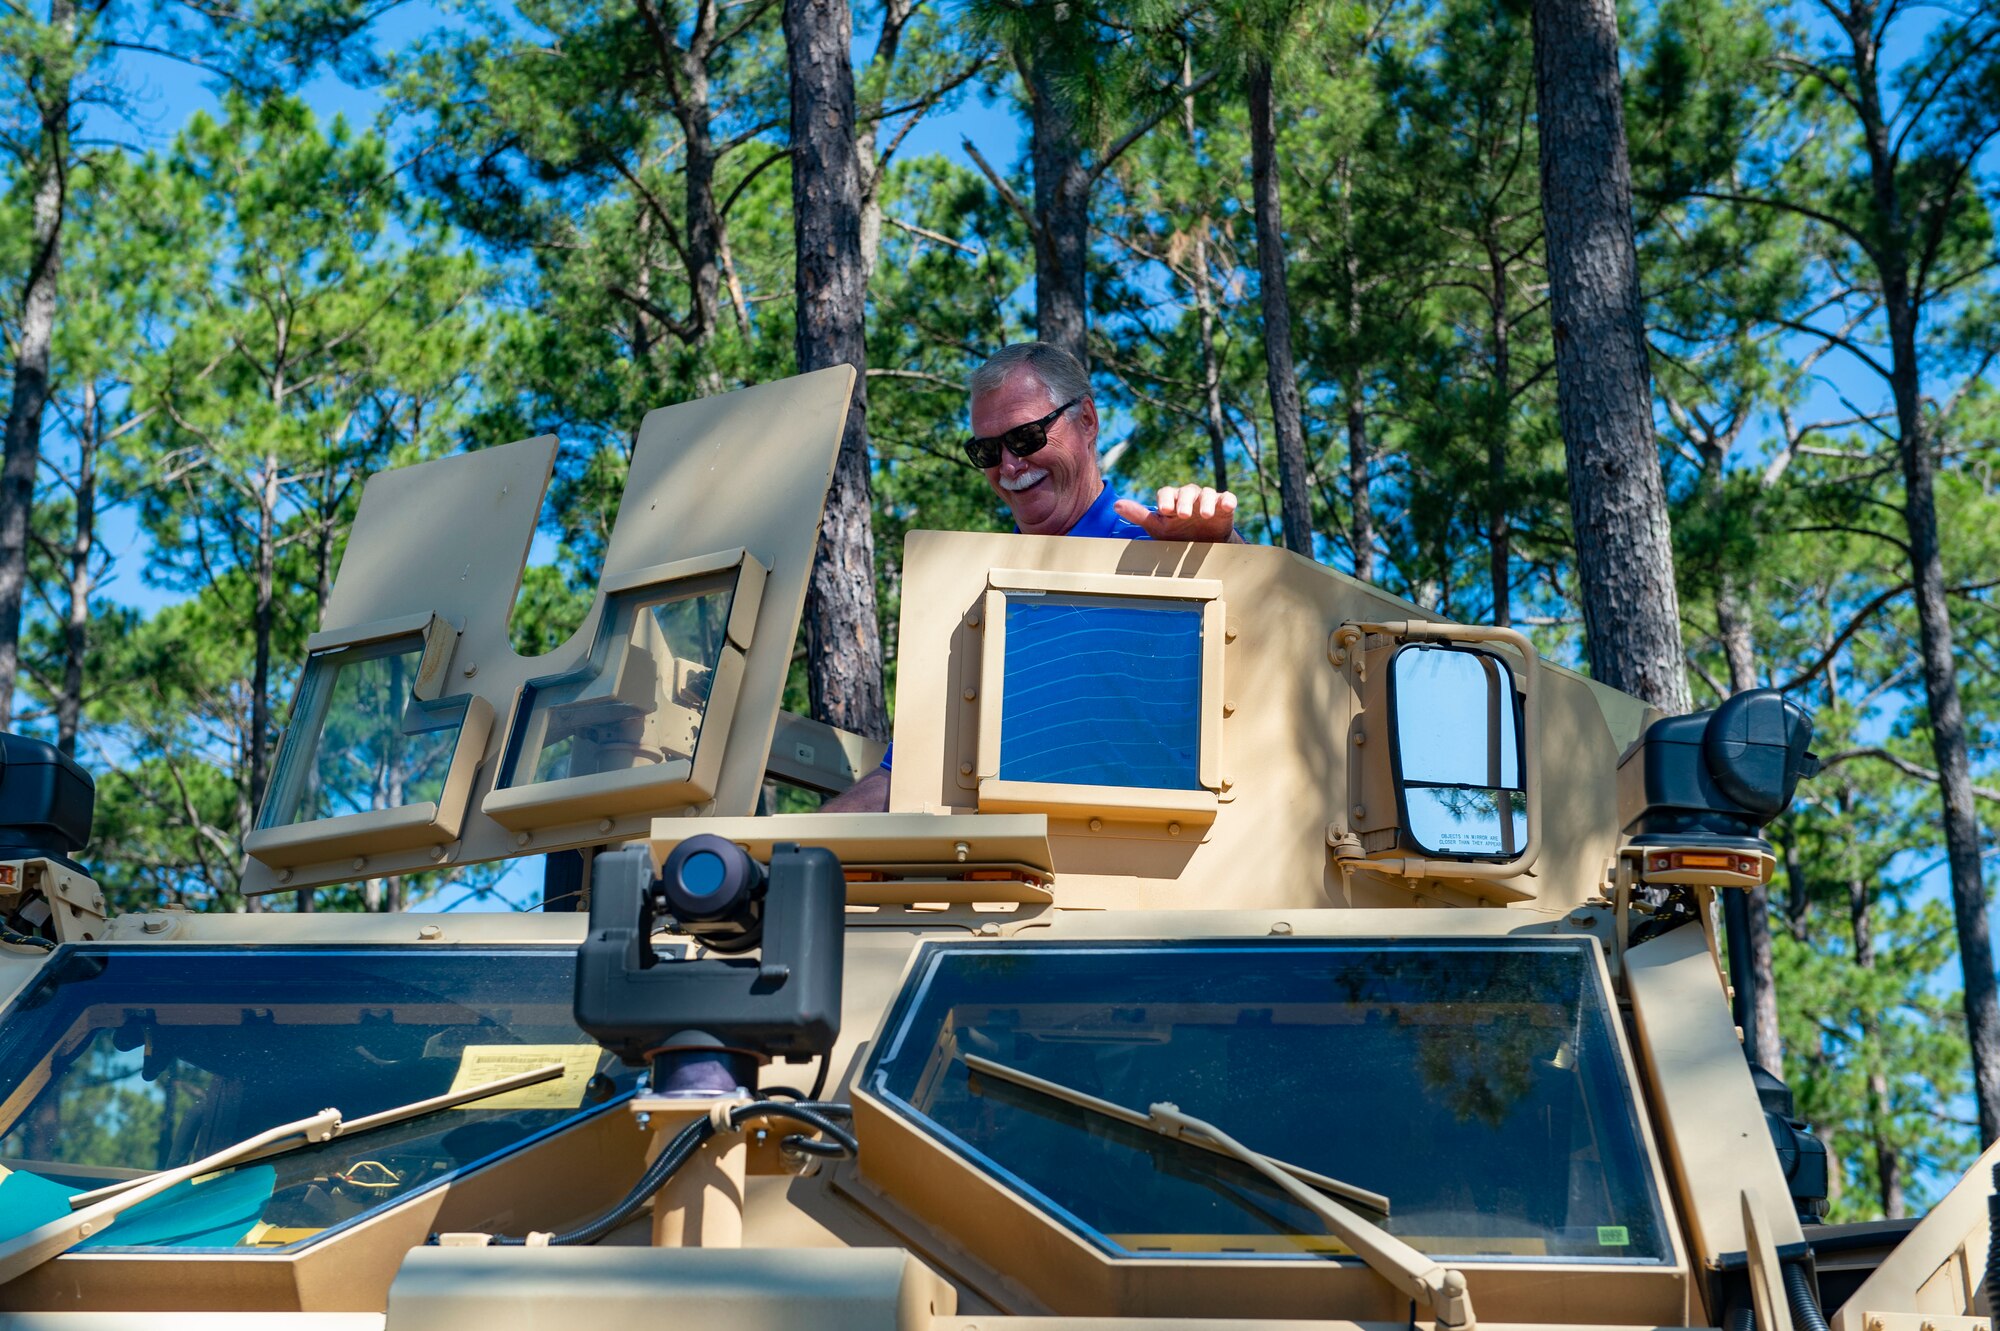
(1101, 694)
(151, 1058)
(1475, 1083)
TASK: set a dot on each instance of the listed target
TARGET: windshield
(123, 1061)
(1477, 1084)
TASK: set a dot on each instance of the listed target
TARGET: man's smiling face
(1054, 487)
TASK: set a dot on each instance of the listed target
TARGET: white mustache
(1023, 481)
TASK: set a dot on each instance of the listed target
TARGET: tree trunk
(1361, 523)
(21, 456)
(1062, 205)
(1934, 628)
(1211, 368)
(843, 631)
(1888, 1158)
(1740, 649)
(1281, 373)
(76, 626)
(1204, 304)
(1499, 411)
(896, 15)
(1625, 559)
(263, 624)
(1947, 717)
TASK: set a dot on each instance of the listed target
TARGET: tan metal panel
(1284, 733)
(450, 538)
(1705, 1105)
(1932, 1269)
(742, 1289)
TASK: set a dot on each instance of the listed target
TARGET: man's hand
(1186, 513)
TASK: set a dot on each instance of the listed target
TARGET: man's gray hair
(1060, 374)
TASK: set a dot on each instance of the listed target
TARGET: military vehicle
(1243, 946)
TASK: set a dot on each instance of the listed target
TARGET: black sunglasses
(1023, 440)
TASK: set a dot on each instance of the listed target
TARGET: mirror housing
(1382, 838)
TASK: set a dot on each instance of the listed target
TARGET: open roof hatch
(418, 737)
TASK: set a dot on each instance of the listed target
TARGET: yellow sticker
(482, 1063)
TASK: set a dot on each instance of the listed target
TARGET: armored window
(643, 722)
(368, 741)
(1477, 1084)
(373, 758)
(126, 1061)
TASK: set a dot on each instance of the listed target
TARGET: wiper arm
(1423, 1278)
(1374, 1201)
(99, 1209)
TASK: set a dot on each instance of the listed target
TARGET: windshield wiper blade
(1360, 1196)
(348, 1128)
(1421, 1277)
(99, 1209)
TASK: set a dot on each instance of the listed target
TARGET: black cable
(1740, 1318)
(816, 1114)
(826, 1061)
(1799, 1293)
(46, 945)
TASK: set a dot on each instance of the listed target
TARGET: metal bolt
(437, 852)
(360, 861)
(155, 924)
(1360, 737)
(520, 838)
(965, 769)
(1173, 829)
(1229, 706)
(431, 931)
(604, 824)
(284, 875)
(1097, 824)
(471, 670)
(972, 620)
(1360, 812)
(960, 849)
(970, 693)
(989, 930)
(1281, 928)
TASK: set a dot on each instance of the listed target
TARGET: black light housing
(1716, 777)
(47, 801)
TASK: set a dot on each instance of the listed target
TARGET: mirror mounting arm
(1404, 630)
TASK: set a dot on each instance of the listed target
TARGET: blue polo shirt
(1100, 519)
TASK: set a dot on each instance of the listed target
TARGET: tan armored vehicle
(1242, 947)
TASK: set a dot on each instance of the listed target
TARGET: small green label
(1613, 1236)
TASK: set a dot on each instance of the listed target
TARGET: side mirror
(1445, 762)
(1456, 722)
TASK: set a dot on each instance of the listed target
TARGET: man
(1034, 435)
